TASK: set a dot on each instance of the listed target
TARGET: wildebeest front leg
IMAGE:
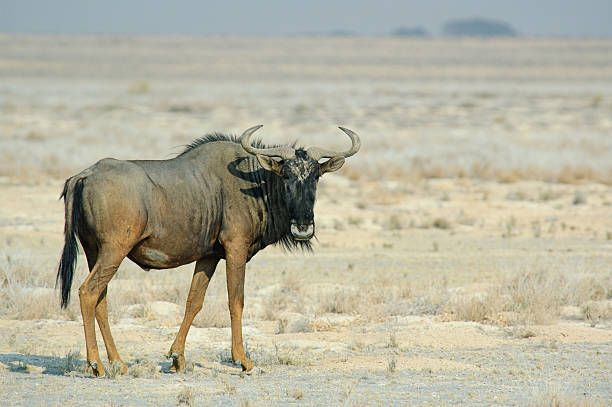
(235, 265)
(204, 270)
(89, 294)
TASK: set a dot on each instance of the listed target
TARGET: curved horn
(284, 152)
(317, 153)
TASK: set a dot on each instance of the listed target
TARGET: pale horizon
(563, 18)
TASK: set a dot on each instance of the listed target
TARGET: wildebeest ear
(270, 163)
(331, 165)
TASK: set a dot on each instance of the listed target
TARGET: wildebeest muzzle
(302, 231)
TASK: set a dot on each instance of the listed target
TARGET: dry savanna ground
(464, 256)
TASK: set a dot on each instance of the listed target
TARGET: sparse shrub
(536, 228)
(549, 195)
(556, 396)
(529, 296)
(510, 227)
(139, 87)
(394, 222)
(441, 223)
(115, 370)
(20, 367)
(144, 369)
(186, 397)
(579, 198)
(477, 309)
(288, 356)
(518, 195)
(463, 219)
(295, 393)
(294, 323)
(214, 314)
(393, 340)
(72, 361)
(339, 301)
(595, 312)
(27, 290)
(338, 225)
(283, 298)
(391, 365)
(355, 221)
(596, 101)
(522, 332)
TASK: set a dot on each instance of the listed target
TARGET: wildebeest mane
(232, 138)
(275, 232)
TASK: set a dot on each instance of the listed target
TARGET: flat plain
(463, 256)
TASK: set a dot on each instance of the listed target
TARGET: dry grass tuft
(139, 87)
(556, 396)
(392, 365)
(295, 393)
(72, 361)
(144, 369)
(115, 370)
(533, 296)
(596, 311)
(286, 297)
(214, 314)
(441, 223)
(579, 198)
(27, 290)
(186, 397)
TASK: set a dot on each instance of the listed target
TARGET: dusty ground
(463, 258)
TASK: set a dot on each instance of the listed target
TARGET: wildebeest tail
(73, 197)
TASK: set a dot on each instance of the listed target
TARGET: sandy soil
(370, 317)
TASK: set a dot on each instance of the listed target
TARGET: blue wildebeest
(222, 198)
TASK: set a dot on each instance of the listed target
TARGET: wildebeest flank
(222, 198)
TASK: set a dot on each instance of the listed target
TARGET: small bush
(139, 87)
(186, 397)
(579, 198)
(115, 370)
(72, 361)
(556, 396)
(441, 223)
(144, 369)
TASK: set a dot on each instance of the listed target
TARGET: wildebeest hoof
(178, 362)
(97, 371)
(256, 370)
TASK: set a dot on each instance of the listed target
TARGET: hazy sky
(273, 17)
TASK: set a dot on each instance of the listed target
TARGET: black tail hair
(73, 197)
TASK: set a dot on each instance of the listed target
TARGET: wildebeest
(222, 198)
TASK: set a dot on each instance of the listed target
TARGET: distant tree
(341, 33)
(410, 32)
(478, 27)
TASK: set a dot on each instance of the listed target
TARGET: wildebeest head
(300, 171)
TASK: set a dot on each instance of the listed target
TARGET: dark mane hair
(232, 138)
(275, 233)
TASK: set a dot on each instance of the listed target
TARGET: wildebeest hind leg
(91, 252)
(90, 292)
(102, 318)
(204, 270)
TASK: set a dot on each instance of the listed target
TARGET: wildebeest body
(220, 199)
